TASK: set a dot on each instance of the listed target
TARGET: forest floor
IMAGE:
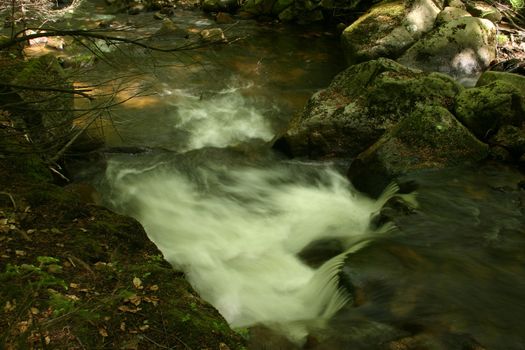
(75, 275)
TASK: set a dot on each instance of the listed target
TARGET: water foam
(223, 119)
(238, 235)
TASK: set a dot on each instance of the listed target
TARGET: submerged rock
(388, 29)
(462, 48)
(429, 137)
(360, 104)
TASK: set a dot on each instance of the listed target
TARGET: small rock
(212, 35)
(223, 18)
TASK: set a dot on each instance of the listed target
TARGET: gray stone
(428, 138)
(463, 47)
(359, 105)
(449, 14)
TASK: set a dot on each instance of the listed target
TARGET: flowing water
(291, 244)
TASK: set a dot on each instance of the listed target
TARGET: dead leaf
(144, 327)
(154, 288)
(9, 306)
(47, 339)
(152, 300)
(35, 311)
(74, 285)
(223, 346)
(72, 297)
(137, 283)
(123, 326)
(134, 299)
(125, 308)
(23, 326)
(20, 252)
(103, 332)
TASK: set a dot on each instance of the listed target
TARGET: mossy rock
(388, 29)
(512, 138)
(428, 138)
(486, 108)
(462, 48)
(360, 104)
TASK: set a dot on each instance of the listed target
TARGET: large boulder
(428, 138)
(462, 48)
(359, 105)
(388, 29)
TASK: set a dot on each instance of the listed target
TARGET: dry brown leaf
(23, 326)
(103, 332)
(154, 288)
(125, 308)
(35, 311)
(137, 283)
(20, 252)
(144, 327)
(152, 300)
(9, 306)
(134, 299)
(74, 285)
(123, 326)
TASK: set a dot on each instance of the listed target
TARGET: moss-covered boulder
(450, 14)
(511, 138)
(388, 29)
(428, 138)
(516, 80)
(486, 108)
(462, 48)
(360, 104)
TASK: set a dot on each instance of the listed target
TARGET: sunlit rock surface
(462, 48)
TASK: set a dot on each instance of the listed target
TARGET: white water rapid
(236, 230)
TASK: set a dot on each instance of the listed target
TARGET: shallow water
(243, 222)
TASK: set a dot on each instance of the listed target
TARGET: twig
(11, 198)
(37, 88)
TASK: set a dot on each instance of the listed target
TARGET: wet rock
(223, 18)
(449, 14)
(486, 108)
(463, 47)
(170, 28)
(428, 138)
(388, 29)
(136, 8)
(360, 104)
(212, 35)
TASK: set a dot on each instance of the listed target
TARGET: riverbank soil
(74, 275)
